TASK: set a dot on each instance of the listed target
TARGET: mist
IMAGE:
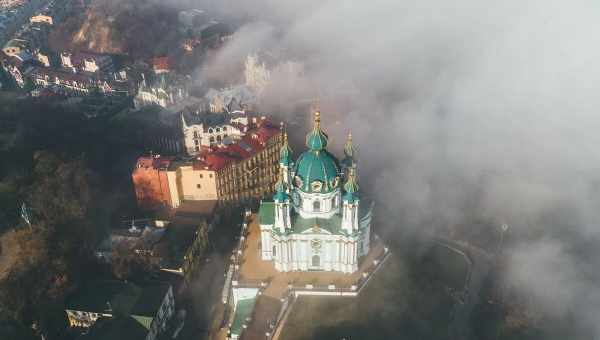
(459, 110)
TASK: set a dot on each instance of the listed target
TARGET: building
(235, 98)
(87, 62)
(64, 82)
(14, 47)
(151, 181)
(166, 90)
(202, 130)
(161, 65)
(45, 18)
(252, 171)
(256, 73)
(317, 219)
(151, 306)
(242, 170)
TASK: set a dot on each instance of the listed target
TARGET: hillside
(135, 27)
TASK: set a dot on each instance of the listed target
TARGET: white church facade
(317, 220)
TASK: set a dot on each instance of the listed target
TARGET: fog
(459, 110)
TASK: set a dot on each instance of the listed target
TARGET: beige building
(191, 182)
(41, 18)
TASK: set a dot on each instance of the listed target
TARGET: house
(140, 237)
(151, 305)
(206, 129)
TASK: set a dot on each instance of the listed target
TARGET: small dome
(316, 140)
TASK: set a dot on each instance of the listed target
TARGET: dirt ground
(9, 251)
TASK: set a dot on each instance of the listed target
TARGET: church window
(218, 129)
(195, 134)
(210, 130)
(212, 139)
(317, 206)
(218, 138)
(198, 186)
(316, 261)
(201, 176)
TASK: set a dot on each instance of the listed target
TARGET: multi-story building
(242, 170)
(75, 83)
(203, 130)
(86, 62)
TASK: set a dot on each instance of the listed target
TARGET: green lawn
(399, 303)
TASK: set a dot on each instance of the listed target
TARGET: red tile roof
(161, 64)
(255, 141)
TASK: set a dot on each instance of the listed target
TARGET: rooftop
(119, 328)
(118, 298)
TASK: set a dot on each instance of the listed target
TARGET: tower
(282, 205)
(350, 203)
(349, 160)
(285, 159)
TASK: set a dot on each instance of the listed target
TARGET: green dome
(318, 166)
(317, 140)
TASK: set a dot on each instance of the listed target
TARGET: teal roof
(266, 213)
(332, 225)
(317, 166)
(243, 310)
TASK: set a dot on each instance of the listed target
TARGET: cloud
(460, 109)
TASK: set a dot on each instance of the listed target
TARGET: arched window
(212, 139)
(316, 261)
(218, 138)
(316, 206)
(210, 130)
(218, 129)
(274, 251)
(195, 134)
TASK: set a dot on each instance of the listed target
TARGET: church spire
(281, 194)
(349, 148)
(285, 152)
(316, 140)
(351, 187)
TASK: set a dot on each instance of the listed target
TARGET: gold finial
(317, 119)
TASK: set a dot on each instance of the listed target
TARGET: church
(317, 220)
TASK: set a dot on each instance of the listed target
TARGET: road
(481, 263)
